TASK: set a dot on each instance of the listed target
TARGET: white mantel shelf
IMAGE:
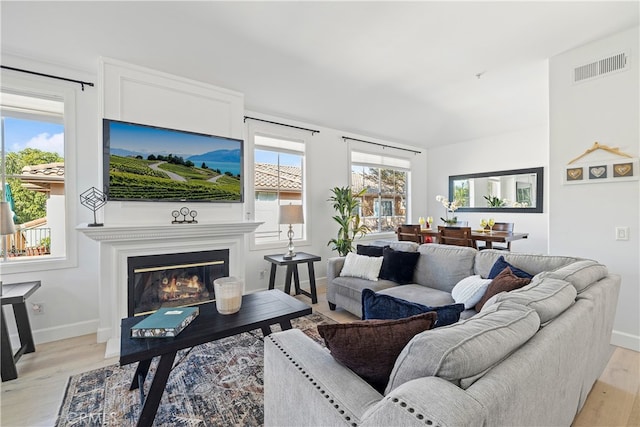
(131, 232)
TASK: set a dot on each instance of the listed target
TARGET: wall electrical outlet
(37, 308)
(622, 233)
(262, 274)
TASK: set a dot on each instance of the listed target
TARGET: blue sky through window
(264, 156)
(20, 134)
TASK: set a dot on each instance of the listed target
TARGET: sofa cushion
(398, 265)
(466, 348)
(531, 263)
(505, 281)
(548, 297)
(370, 347)
(369, 250)
(469, 290)
(581, 274)
(350, 289)
(364, 267)
(501, 264)
(442, 266)
(418, 294)
(378, 306)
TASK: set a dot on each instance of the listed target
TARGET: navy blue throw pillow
(398, 265)
(369, 250)
(377, 306)
(501, 264)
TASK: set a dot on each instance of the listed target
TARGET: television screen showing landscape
(148, 163)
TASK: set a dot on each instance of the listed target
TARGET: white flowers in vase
(450, 207)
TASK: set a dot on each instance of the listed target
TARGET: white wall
(517, 150)
(327, 166)
(578, 219)
(140, 95)
(583, 217)
(70, 295)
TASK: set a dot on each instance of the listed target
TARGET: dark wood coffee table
(259, 311)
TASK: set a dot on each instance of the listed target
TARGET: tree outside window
(33, 175)
(383, 205)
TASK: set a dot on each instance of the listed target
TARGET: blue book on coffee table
(166, 322)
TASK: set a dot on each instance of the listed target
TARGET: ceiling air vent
(601, 67)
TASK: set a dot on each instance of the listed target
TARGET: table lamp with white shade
(291, 214)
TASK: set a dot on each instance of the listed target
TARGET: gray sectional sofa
(529, 357)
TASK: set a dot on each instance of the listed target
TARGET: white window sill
(281, 245)
(32, 264)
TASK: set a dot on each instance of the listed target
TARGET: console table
(292, 270)
(16, 294)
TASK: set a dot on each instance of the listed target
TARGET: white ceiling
(399, 71)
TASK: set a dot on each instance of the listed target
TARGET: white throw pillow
(469, 291)
(362, 266)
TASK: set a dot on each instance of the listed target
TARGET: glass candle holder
(228, 291)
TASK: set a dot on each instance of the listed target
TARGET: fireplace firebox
(173, 280)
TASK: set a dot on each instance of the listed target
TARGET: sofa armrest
(305, 386)
(426, 401)
(334, 267)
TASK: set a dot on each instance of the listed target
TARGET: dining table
(487, 236)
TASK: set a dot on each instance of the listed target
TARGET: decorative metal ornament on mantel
(185, 211)
(93, 199)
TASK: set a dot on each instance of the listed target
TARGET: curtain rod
(281, 124)
(344, 138)
(80, 82)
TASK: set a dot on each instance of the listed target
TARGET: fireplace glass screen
(174, 280)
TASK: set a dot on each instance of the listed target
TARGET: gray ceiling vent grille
(601, 67)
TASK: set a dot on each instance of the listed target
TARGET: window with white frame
(37, 130)
(278, 180)
(383, 206)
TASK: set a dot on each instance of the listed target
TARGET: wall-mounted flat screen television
(150, 163)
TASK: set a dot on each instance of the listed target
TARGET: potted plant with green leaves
(495, 202)
(45, 245)
(346, 204)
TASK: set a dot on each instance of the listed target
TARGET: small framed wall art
(625, 168)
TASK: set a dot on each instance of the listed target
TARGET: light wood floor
(34, 398)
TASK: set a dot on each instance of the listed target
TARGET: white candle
(228, 292)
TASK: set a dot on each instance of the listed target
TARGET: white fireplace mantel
(118, 242)
(125, 233)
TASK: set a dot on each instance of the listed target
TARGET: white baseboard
(103, 334)
(622, 339)
(113, 348)
(41, 336)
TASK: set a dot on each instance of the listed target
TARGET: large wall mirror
(518, 190)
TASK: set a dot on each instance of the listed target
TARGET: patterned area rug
(214, 384)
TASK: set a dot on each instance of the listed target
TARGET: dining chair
(458, 236)
(500, 226)
(409, 233)
(460, 224)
